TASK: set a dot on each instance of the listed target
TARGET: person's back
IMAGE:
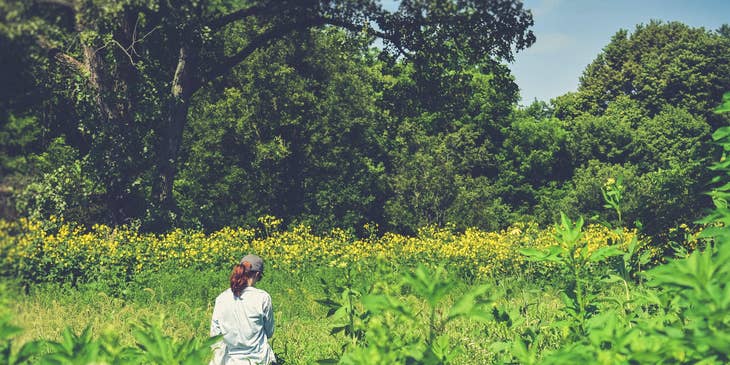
(243, 314)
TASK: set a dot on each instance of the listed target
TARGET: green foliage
(720, 194)
(68, 192)
(609, 137)
(691, 303)
(613, 192)
(308, 130)
(671, 138)
(387, 329)
(574, 260)
(17, 137)
(312, 124)
(444, 156)
(725, 106)
(123, 78)
(160, 349)
(653, 65)
(342, 303)
(698, 288)
(536, 149)
(423, 185)
(9, 353)
(152, 347)
(74, 349)
(590, 181)
(637, 111)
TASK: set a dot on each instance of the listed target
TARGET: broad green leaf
(470, 305)
(604, 253)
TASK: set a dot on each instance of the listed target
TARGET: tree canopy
(215, 113)
(136, 65)
(660, 64)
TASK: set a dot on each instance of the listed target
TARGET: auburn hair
(240, 276)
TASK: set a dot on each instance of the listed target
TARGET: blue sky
(571, 33)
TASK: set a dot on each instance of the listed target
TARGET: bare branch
(73, 42)
(125, 50)
(129, 51)
(135, 41)
(147, 34)
(102, 47)
(134, 35)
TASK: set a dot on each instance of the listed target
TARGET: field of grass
(565, 294)
(181, 304)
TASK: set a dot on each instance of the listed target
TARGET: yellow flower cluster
(68, 252)
(29, 250)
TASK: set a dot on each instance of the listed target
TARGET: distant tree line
(215, 113)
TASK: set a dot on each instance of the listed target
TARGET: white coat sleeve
(215, 327)
(268, 317)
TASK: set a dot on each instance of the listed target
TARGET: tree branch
(263, 39)
(277, 32)
(63, 58)
(224, 20)
(375, 33)
(69, 5)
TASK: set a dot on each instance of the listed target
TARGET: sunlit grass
(302, 328)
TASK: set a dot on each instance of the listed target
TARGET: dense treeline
(319, 126)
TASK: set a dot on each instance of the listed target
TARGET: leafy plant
(725, 106)
(158, 348)
(342, 303)
(612, 193)
(74, 349)
(686, 309)
(8, 353)
(385, 316)
(573, 258)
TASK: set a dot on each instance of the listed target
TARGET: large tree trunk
(164, 212)
(111, 85)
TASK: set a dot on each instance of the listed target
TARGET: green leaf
(500, 346)
(721, 133)
(604, 253)
(612, 279)
(725, 106)
(470, 305)
(378, 303)
(8, 331)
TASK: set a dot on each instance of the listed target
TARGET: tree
(142, 62)
(659, 64)
(608, 137)
(294, 131)
(644, 110)
(535, 149)
(447, 128)
(662, 161)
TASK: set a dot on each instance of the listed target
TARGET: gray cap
(257, 263)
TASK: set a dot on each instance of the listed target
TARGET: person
(244, 315)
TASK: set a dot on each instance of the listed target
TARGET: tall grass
(181, 302)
